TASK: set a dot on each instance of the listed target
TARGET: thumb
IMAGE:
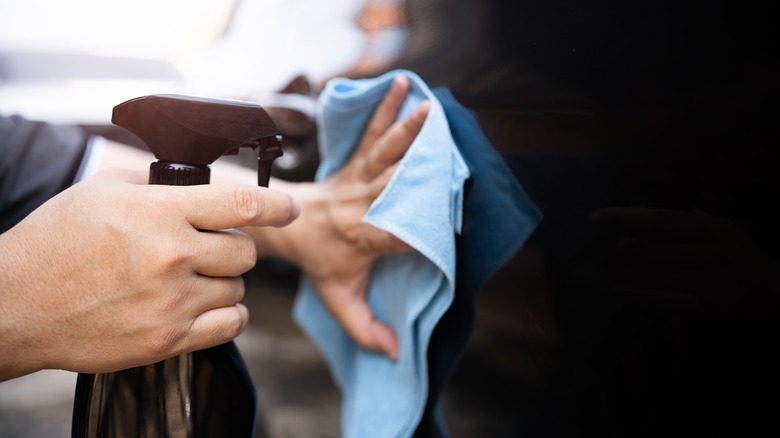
(223, 206)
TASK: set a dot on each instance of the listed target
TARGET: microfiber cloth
(498, 218)
(423, 206)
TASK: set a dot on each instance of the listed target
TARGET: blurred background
(660, 322)
(73, 61)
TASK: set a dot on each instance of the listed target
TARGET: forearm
(17, 329)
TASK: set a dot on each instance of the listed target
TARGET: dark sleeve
(37, 161)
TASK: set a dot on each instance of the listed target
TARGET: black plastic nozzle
(187, 133)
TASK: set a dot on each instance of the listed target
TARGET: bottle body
(200, 394)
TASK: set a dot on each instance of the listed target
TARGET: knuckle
(409, 127)
(248, 204)
(169, 256)
(375, 130)
(165, 266)
(157, 203)
(380, 155)
(235, 290)
(248, 254)
(177, 295)
(165, 342)
(359, 236)
(409, 124)
(239, 255)
(232, 326)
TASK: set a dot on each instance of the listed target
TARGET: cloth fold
(422, 205)
(498, 218)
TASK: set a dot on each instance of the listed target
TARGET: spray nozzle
(187, 133)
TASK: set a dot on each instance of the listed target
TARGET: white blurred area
(73, 61)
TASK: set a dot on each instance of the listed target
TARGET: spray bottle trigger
(271, 150)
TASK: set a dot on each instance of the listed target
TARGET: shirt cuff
(93, 154)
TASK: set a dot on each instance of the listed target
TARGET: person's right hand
(113, 273)
(331, 243)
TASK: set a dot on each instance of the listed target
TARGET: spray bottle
(206, 393)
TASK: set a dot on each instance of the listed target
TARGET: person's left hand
(331, 243)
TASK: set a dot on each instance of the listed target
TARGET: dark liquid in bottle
(207, 393)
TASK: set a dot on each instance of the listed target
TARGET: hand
(331, 243)
(689, 260)
(112, 273)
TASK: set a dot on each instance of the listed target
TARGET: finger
(227, 253)
(215, 327)
(395, 142)
(222, 206)
(359, 321)
(385, 113)
(210, 293)
(363, 327)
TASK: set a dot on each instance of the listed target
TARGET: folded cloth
(498, 218)
(423, 206)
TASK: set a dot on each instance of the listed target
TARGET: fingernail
(296, 210)
(399, 81)
(392, 354)
(390, 348)
(386, 344)
(421, 112)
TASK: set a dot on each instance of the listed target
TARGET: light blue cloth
(422, 205)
